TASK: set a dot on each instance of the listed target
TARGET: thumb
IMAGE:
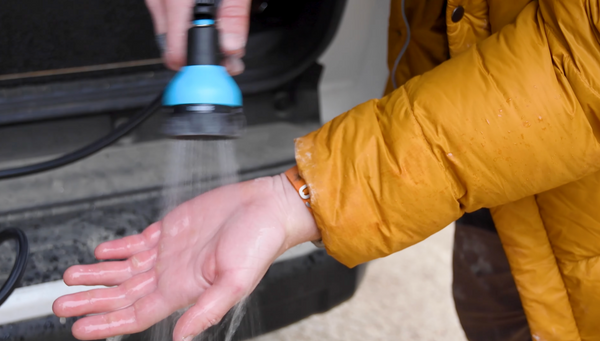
(234, 17)
(210, 308)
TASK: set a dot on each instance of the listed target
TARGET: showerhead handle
(205, 9)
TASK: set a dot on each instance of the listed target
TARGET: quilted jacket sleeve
(513, 116)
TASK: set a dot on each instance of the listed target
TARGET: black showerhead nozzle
(205, 9)
(206, 102)
(205, 122)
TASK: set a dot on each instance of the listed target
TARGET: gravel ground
(406, 296)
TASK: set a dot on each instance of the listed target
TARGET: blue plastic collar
(204, 22)
(202, 84)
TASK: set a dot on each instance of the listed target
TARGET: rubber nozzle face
(205, 122)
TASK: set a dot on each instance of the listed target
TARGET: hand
(209, 252)
(173, 17)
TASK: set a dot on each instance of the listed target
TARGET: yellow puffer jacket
(510, 121)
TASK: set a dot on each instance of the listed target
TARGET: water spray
(205, 101)
(206, 104)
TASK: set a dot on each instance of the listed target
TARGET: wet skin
(208, 253)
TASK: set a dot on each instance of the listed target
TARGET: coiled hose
(88, 150)
(22, 245)
(19, 267)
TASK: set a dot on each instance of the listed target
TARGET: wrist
(298, 220)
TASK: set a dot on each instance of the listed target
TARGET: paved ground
(406, 296)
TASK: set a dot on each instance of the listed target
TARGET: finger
(212, 305)
(179, 17)
(105, 300)
(159, 15)
(144, 313)
(128, 246)
(110, 273)
(234, 65)
(233, 21)
(159, 18)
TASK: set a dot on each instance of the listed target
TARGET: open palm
(208, 253)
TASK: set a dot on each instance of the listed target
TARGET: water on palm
(195, 167)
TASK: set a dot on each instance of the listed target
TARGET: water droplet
(509, 131)
(526, 124)
(499, 115)
(540, 118)
(450, 155)
(488, 121)
(500, 110)
(535, 86)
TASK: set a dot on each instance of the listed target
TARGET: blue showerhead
(206, 102)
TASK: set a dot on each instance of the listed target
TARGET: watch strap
(303, 191)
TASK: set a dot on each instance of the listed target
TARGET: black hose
(88, 150)
(19, 267)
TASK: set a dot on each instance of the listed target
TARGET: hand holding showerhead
(206, 101)
(171, 17)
